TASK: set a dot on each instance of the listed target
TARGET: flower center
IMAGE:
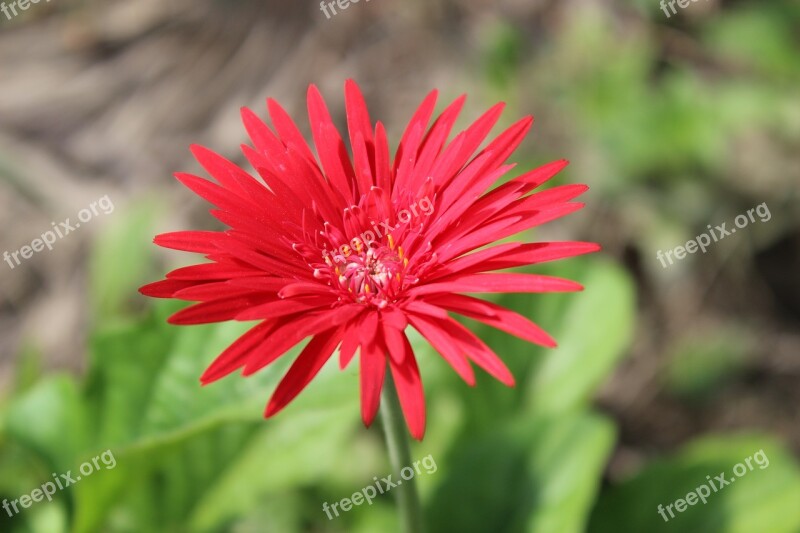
(373, 274)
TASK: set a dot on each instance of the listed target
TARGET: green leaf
(304, 448)
(124, 360)
(569, 456)
(121, 259)
(537, 475)
(51, 420)
(762, 499)
(594, 336)
(177, 441)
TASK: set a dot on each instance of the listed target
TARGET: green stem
(394, 428)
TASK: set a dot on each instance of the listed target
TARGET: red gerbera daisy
(352, 252)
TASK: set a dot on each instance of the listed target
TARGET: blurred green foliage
(763, 499)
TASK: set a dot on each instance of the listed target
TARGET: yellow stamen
(405, 262)
(391, 242)
(400, 251)
(366, 289)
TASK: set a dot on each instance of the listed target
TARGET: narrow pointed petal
(409, 390)
(357, 115)
(478, 351)
(219, 310)
(189, 241)
(235, 356)
(330, 147)
(495, 316)
(499, 283)
(287, 129)
(350, 341)
(449, 349)
(514, 254)
(228, 174)
(295, 328)
(165, 288)
(282, 307)
(303, 370)
(372, 372)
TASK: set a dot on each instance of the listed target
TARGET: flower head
(352, 251)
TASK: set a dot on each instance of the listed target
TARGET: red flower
(351, 252)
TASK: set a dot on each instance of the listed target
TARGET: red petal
(350, 340)
(219, 310)
(236, 354)
(475, 261)
(486, 162)
(534, 253)
(303, 370)
(373, 370)
(330, 147)
(393, 338)
(443, 343)
(262, 262)
(418, 122)
(512, 255)
(293, 329)
(434, 141)
(363, 168)
(503, 195)
(409, 390)
(214, 194)
(302, 288)
(406, 158)
(165, 288)
(189, 241)
(420, 306)
(228, 174)
(215, 290)
(394, 317)
(279, 308)
(383, 170)
(287, 129)
(357, 114)
(547, 198)
(495, 316)
(262, 283)
(210, 272)
(476, 133)
(501, 228)
(498, 283)
(477, 350)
